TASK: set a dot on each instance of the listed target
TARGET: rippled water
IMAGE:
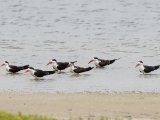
(32, 32)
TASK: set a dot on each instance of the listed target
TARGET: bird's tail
(24, 67)
(112, 61)
(158, 66)
(89, 68)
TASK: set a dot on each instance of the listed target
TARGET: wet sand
(66, 105)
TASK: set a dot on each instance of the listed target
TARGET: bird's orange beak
(27, 71)
(49, 62)
(137, 65)
(90, 61)
(2, 65)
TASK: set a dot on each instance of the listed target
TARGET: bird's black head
(54, 60)
(140, 62)
(7, 62)
(95, 57)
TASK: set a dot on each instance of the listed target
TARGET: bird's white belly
(7, 69)
(142, 69)
(97, 64)
(55, 67)
(71, 70)
(32, 73)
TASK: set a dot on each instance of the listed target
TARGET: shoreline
(73, 105)
(80, 92)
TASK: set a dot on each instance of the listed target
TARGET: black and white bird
(58, 65)
(145, 68)
(101, 62)
(38, 73)
(13, 68)
(77, 69)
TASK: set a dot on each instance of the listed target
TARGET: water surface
(32, 32)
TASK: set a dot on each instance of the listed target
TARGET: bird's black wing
(14, 69)
(101, 59)
(62, 65)
(39, 73)
(106, 62)
(80, 69)
(148, 69)
(23, 67)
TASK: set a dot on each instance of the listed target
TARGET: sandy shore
(144, 106)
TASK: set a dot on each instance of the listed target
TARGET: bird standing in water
(145, 68)
(38, 73)
(13, 68)
(77, 69)
(58, 65)
(101, 62)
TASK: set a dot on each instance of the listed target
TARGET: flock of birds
(59, 66)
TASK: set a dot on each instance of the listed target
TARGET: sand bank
(66, 105)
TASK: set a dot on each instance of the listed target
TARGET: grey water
(35, 31)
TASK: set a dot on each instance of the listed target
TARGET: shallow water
(33, 32)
